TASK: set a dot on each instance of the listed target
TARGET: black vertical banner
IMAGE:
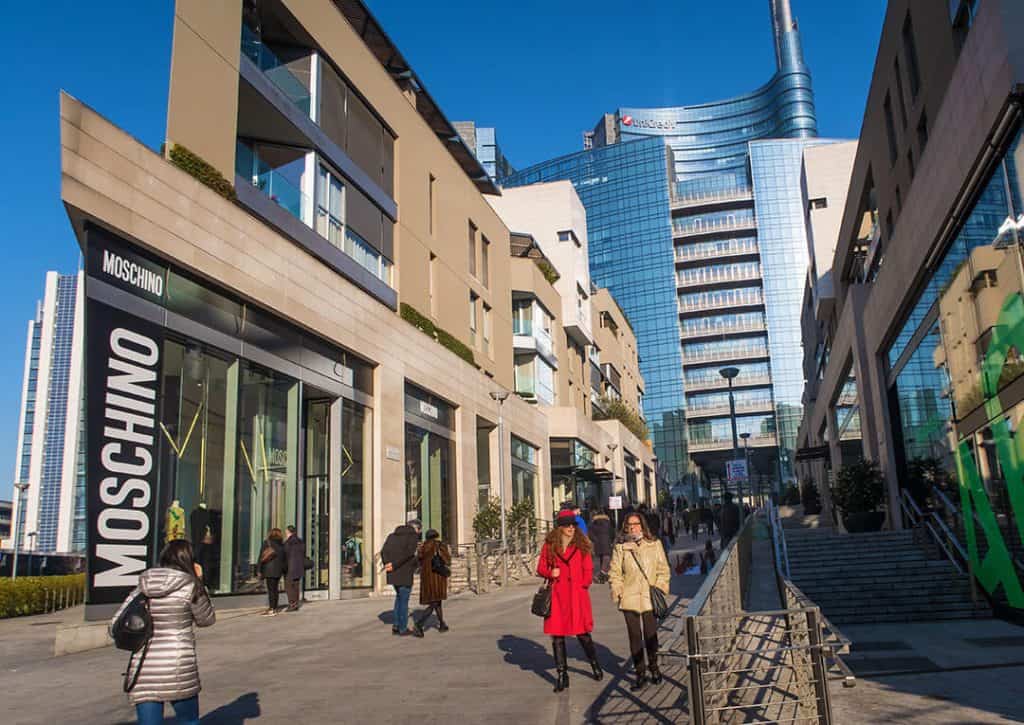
(123, 362)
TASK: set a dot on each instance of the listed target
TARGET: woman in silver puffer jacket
(169, 671)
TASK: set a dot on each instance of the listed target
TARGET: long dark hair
(579, 540)
(177, 554)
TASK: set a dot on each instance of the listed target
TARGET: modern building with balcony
(727, 176)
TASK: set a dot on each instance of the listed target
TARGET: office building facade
(49, 516)
(708, 292)
(290, 345)
(483, 141)
(924, 336)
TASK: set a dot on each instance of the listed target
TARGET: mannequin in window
(175, 528)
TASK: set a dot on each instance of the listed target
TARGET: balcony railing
(272, 182)
(723, 329)
(720, 302)
(275, 69)
(736, 353)
(717, 382)
(682, 201)
(540, 339)
(725, 444)
(710, 275)
(716, 250)
(764, 405)
(684, 229)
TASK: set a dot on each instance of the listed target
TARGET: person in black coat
(398, 555)
(601, 537)
(272, 567)
(295, 558)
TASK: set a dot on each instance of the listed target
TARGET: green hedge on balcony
(197, 167)
(424, 324)
(40, 594)
(615, 409)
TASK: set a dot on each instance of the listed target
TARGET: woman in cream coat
(638, 563)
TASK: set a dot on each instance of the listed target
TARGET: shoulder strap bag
(658, 603)
(133, 631)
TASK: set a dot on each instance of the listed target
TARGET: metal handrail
(948, 503)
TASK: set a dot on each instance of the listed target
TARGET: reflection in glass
(428, 458)
(356, 481)
(318, 498)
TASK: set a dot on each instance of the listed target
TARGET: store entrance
(317, 491)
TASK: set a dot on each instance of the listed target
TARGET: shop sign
(113, 263)
(429, 410)
(615, 503)
(393, 453)
(122, 376)
(736, 470)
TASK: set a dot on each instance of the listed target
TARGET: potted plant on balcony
(858, 493)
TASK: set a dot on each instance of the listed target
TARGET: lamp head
(744, 436)
(729, 373)
(500, 395)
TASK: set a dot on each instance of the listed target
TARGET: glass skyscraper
(726, 238)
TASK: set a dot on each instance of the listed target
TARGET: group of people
(402, 555)
(634, 565)
(724, 517)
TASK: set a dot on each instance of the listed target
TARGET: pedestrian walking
(399, 558)
(639, 563)
(272, 567)
(565, 561)
(708, 557)
(295, 567)
(668, 531)
(730, 518)
(707, 517)
(168, 669)
(576, 512)
(601, 539)
(434, 575)
(695, 522)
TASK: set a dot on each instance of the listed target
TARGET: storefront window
(483, 463)
(265, 495)
(318, 492)
(429, 460)
(194, 467)
(356, 482)
(524, 471)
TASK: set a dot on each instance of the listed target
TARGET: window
(910, 55)
(329, 209)
(922, 133)
(819, 203)
(432, 283)
(487, 328)
(899, 94)
(472, 318)
(485, 261)
(890, 129)
(472, 249)
(569, 235)
(431, 210)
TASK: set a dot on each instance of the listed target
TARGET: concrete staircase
(886, 576)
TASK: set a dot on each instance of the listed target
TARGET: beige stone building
(301, 313)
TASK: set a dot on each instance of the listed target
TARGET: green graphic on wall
(997, 568)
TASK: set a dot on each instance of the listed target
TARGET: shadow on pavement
(245, 707)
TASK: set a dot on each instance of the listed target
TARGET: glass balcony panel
(285, 74)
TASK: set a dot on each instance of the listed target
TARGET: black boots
(561, 664)
(587, 643)
(655, 672)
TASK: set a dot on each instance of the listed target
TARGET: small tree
(860, 488)
(522, 520)
(487, 521)
(922, 475)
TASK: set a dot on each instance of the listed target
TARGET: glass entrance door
(317, 492)
(428, 460)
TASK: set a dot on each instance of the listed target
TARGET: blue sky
(540, 71)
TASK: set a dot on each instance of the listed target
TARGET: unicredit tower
(721, 286)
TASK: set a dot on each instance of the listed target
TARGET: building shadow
(243, 708)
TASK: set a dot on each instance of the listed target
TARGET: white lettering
(133, 273)
(129, 561)
(138, 520)
(111, 495)
(146, 354)
(128, 433)
(137, 469)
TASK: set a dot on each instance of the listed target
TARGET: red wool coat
(570, 592)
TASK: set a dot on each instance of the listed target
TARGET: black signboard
(110, 260)
(123, 361)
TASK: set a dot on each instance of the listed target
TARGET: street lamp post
(611, 455)
(31, 547)
(729, 373)
(746, 457)
(500, 397)
(22, 487)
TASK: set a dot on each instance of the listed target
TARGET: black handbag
(437, 564)
(132, 631)
(542, 601)
(658, 604)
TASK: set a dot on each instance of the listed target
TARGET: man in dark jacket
(730, 520)
(601, 538)
(295, 555)
(399, 558)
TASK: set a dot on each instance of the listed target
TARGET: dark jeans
(401, 609)
(432, 608)
(643, 634)
(291, 587)
(273, 582)
(186, 712)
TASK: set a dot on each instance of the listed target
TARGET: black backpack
(132, 631)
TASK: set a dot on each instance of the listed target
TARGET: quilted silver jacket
(170, 670)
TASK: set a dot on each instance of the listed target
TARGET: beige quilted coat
(629, 588)
(170, 670)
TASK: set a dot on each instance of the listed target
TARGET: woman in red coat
(565, 562)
